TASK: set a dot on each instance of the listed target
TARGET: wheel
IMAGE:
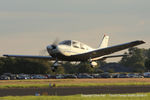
(54, 68)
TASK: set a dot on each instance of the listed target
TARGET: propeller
(55, 43)
(43, 52)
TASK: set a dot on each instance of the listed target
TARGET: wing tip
(5, 55)
(141, 41)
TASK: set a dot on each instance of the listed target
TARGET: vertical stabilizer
(104, 42)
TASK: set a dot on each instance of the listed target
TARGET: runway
(63, 91)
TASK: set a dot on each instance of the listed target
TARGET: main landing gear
(92, 63)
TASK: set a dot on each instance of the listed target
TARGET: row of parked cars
(9, 76)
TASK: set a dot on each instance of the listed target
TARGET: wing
(30, 56)
(109, 50)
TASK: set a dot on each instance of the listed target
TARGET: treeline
(36, 66)
(138, 60)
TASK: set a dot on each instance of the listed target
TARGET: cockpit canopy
(75, 44)
(66, 42)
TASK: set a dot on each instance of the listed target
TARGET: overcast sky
(28, 26)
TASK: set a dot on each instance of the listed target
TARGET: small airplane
(72, 50)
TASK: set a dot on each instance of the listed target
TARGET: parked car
(13, 77)
(115, 75)
(106, 75)
(59, 76)
(133, 75)
(84, 76)
(123, 76)
(96, 76)
(146, 74)
(4, 77)
(140, 76)
(23, 76)
(39, 77)
(70, 76)
(52, 76)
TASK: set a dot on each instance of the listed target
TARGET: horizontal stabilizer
(112, 56)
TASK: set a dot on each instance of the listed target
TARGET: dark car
(23, 76)
(70, 76)
(115, 75)
(39, 77)
(52, 76)
(123, 76)
(96, 75)
(11, 76)
(106, 75)
(133, 75)
(84, 76)
(4, 77)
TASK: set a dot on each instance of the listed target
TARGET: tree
(111, 70)
(101, 63)
(147, 64)
(147, 61)
(70, 68)
(148, 53)
(135, 60)
(60, 70)
(85, 67)
(28, 66)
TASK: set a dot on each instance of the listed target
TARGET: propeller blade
(43, 52)
(56, 41)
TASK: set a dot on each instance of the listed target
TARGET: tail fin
(104, 42)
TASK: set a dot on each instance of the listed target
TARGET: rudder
(104, 42)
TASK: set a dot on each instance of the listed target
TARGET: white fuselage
(71, 50)
(68, 48)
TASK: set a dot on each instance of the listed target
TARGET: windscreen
(67, 42)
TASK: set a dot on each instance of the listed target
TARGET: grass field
(72, 82)
(137, 96)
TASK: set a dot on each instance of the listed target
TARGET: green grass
(104, 84)
(72, 85)
(73, 82)
(24, 85)
(137, 96)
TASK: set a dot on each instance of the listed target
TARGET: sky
(28, 26)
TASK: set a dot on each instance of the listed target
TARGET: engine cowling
(93, 64)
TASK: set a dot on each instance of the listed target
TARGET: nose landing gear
(55, 66)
